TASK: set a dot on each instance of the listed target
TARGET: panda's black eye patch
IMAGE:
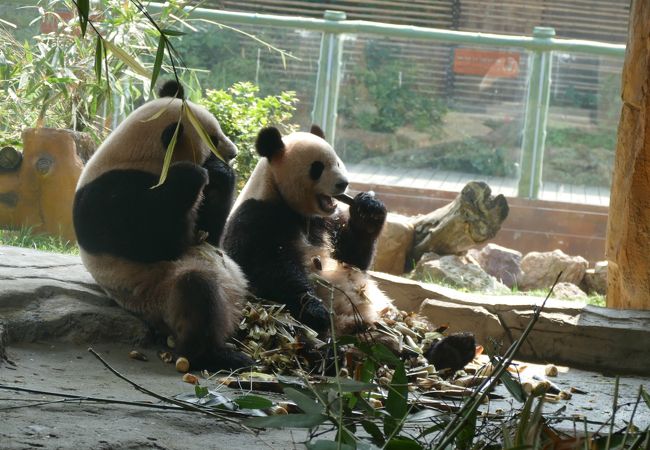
(215, 140)
(316, 170)
(168, 133)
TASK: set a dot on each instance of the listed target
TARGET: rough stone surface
(394, 244)
(502, 263)
(459, 271)
(568, 332)
(47, 295)
(595, 280)
(628, 227)
(540, 269)
(568, 291)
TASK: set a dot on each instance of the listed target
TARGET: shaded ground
(71, 369)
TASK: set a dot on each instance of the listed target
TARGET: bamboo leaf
(169, 153)
(99, 49)
(373, 430)
(170, 32)
(512, 385)
(328, 445)
(402, 443)
(304, 402)
(396, 403)
(160, 53)
(253, 402)
(83, 7)
(646, 396)
(127, 59)
(201, 132)
(466, 435)
(287, 421)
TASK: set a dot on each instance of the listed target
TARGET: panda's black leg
(355, 240)
(452, 352)
(198, 322)
(217, 199)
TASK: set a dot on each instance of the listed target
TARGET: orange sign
(491, 63)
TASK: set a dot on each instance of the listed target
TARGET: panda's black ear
(269, 142)
(172, 88)
(318, 131)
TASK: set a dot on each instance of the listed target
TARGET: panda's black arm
(264, 239)
(217, 199)
(355, 234)
(119, 213)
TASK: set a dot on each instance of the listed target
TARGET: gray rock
(595, 280)
(539, 270)
(52, 296)
(502, 263)
(568, 291)
(459, 271)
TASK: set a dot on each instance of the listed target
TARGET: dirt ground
(27, 422)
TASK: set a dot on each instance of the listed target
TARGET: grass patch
(26, 237)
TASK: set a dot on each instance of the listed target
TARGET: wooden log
(474, 217)
(628, 229)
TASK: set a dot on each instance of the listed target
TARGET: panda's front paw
(222, 175)
(188, 175)
(367, 213)
(312, 313)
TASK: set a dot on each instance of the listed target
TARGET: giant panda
(297, 246)
(153, 249)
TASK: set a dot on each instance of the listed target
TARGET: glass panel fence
(583, 118)
(225, 56)
(431, 115)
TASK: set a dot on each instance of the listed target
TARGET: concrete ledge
(571, 333)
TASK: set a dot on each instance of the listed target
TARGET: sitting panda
(286, 230)
(153, 249)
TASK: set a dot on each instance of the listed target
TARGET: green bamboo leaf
(169, 153)
(127, 59)
(402, 443)
(160, 53)
(513, 386)
(170, 32)
(327, 445)
(646, 396)
(201, 391)
(83, 7)
(99, 50)
(253, 402)
(159, 113)
(396, 402)
(346, 385)
(304, 402)
(467, 433)
(201, 132)
(373, 430)
(287, 421)
(383, 354)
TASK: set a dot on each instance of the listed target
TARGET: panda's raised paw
(312, 313)
(187, 174)
(367, 213)
(222, 175)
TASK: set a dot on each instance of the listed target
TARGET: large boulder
(540, 269)
(502, 263)
(52, 296)
(595, 280)
(461, 272)
(568, 291)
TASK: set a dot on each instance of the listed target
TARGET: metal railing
(334, 25)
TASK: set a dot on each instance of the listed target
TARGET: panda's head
(304, 169)
(140, 141)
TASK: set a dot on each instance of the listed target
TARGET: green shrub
(242, 113)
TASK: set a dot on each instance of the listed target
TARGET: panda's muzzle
(225, 147)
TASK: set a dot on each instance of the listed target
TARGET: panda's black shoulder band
(269, 142)
(172, 88)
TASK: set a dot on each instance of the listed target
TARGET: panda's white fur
(195, 293)
(282, 178)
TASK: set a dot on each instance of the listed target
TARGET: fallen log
(474, 217)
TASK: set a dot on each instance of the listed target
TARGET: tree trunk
(471, 219)
(628, 228)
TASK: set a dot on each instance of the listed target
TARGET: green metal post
(539, 89)
(329, 77)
